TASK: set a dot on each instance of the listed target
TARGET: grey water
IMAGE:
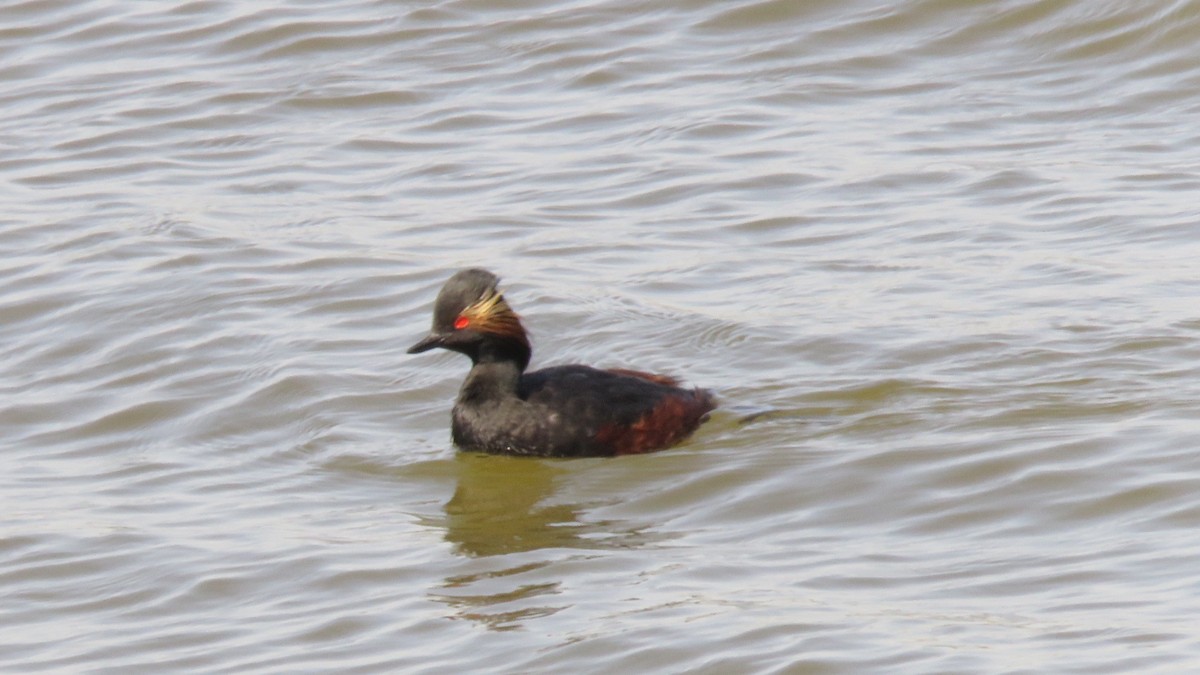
(937, 259)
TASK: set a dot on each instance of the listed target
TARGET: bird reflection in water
(504, 510)
(502, 505)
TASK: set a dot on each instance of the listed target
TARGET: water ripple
(936, 259)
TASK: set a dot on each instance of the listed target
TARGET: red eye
(461, 322)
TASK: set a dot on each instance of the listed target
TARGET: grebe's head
(471, 317)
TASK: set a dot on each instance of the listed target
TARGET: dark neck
(496, 370)
(489, 381)
(504, 350)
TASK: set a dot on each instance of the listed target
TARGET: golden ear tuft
(493, 315)
(492, 302)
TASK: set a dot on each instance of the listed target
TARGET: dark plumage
(563, 411)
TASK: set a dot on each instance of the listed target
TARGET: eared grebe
(563, 411)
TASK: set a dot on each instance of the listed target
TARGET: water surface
(937, 260)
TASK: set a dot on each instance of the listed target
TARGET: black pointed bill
(428, 342)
